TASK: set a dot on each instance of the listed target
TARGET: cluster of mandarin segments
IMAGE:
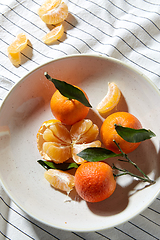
(53, 12)
(16, 47)
(57, 143)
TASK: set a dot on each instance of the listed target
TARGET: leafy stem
(145, 178)
(69, 91)
(126, 172)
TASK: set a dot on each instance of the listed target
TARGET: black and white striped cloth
(128, 30)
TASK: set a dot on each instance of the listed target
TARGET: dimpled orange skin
(94, 181)
(108, 132)
(66, 110)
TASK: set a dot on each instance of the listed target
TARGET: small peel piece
(54, 34)
(110, 100)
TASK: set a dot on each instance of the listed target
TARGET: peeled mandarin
(53, 11)
(110, 100)
(56, 143)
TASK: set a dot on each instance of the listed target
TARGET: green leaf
(134, 135)
(69, 90)
(95, 154)
(62, 166)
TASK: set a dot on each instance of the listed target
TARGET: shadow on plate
(147, 159)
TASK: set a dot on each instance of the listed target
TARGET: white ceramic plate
(27, 107)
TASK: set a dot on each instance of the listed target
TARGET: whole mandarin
(94, 181)
(109, 133)
(68, 111)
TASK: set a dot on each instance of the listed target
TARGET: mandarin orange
(68, 111)
(94, 181)
(108, 132)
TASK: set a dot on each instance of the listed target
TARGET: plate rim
(50, 62)
(82, 55)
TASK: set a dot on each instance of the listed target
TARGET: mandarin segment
(84, 131)
(54, 34)
(48, 135)
(61, 132)
(15, 58)
(77, 148)
(57, 152)
(110, 100)
(16, 47)
(53, 11)
(90, 135)
(63, 181)
(47, 6)
(19, 44)
(80, 128)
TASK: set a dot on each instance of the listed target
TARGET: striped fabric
(128, 30)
